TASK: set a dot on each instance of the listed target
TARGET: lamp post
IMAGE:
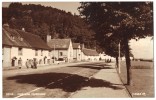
(54, 53)
(119, 58)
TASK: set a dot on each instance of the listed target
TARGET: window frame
(36, 52)
(61, 53)
(20, 51)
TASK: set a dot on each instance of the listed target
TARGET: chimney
(82, 46)
(23, 29)
(48, 38)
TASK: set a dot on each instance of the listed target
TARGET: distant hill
(42, 20)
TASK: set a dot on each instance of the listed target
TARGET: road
(61, 82)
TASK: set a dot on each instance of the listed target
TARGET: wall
(6, 57)
(27, 53)
(70, 52)
(56, 53)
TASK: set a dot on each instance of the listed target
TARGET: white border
(69, 1)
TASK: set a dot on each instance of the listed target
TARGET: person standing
(27, 63)
(32, 63)
(35, 63)
(20, 63)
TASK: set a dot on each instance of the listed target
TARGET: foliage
(42, 20)
(118, 22)
(122, 19)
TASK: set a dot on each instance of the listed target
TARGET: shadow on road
(97, 66)
(71, 84)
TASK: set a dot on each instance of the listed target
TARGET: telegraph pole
(54, 53)
(119, 59)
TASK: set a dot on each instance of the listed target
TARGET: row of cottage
(20, 46)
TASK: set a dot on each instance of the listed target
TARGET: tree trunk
(128, 63)
(117, 62)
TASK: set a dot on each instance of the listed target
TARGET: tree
(125, 20)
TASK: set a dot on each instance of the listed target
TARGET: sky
(142, 48)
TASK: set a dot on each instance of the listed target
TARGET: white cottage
(89, 55)
(18, 46)
(105, 57)
(61, 49)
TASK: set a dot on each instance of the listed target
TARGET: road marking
(50, 83)
(59, 80)
(66, 76)
(27, 92)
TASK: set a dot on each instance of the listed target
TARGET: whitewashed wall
(70, 52)
(56, 53)
(6, 57)
(27, 53)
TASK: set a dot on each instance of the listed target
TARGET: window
(36, 52)
(61, 53)
(41, 52)
(12, 37)
(21, 39)
(20, 51)
(49, 53)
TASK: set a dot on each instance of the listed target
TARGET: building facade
(77, 55)
(19, 46)
(89, 55)
(61, 49)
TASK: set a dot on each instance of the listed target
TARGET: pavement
(111, 88)
(44, 66)
(9, 71)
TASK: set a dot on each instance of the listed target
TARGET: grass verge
(142, 78)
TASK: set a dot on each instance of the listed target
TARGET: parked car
(60, 60)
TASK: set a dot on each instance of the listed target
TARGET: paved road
(60, 82)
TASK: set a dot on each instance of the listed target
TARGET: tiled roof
(8, 40)
(29, 40)
(34, 40)
(76, 45)
(90, 52)
(59, 43)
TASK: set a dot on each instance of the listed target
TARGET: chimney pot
(23, 29)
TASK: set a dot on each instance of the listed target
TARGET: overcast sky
(141, 49)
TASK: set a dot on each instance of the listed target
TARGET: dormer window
(12, 37)
(20, 38)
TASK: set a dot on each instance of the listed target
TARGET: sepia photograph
(98, 49)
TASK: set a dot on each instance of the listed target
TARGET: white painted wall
(56, 53)
(66, 53)
(27, 53)
(105, 57)
(6, 57)
(70, 52)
